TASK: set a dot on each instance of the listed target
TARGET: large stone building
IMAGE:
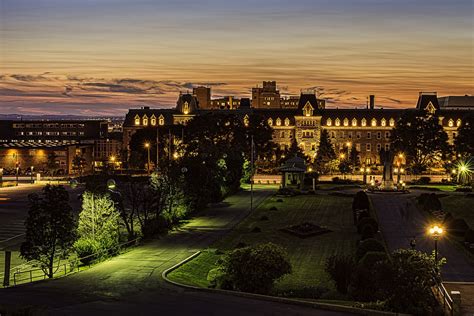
(368, 129)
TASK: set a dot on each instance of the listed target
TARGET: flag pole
(251, 172)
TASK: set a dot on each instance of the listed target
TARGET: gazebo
(292, 173)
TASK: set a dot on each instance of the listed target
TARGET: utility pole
(157, 148)
(252, 149)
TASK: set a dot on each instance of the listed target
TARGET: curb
(323, 306)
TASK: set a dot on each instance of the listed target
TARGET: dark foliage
(340, 268)
(368, 245)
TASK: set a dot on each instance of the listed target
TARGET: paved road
(400, 221)
(132, 284)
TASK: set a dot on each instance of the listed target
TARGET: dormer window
(329, 122)
(346, 122)
(186, 107)
(383, 122)
(278, 122)
(354, 122)
(287, 122)
(373, 122)
(246, 120)
(308, 109)
(450, 123)
(145, 120)
(338, 122)
(161, 120)
(391, 122)
(137, 120)
(153, 120)
(364, 122)
(430, 108)
(270, 122)
(458, 122)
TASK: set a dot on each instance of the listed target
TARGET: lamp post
(436, 232)
(147, 146)
(31, 173)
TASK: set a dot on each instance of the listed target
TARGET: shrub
(340, 269)
(429, 202)
(255, 269)
(469, 236)
(361, 215)
(361, 201)
(423, 180)
(85, 250)
(367, 232)
(312, 292)
(155, 226)
(463, 189)
(367, 221)
(372, 257)
(256, 229)
(368, 245)
(273, 208)
(264, 218)
(241, 244)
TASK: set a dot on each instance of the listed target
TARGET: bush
(312, 292)
(87, 248)
(264, 218)
(372, 257)
(422, 180)
(429, 202)
(255, 269)
(368, 245)
(256, 229)
(340, 269)
(273, 208)
(463, 189)
(367, 232)
(361, 215)
(155, 226)
(367, 221)
(361, 201)
(458, 227)
(469, 236)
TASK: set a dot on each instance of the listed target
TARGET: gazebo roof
(294, 164)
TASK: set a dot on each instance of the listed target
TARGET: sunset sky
(102, 57)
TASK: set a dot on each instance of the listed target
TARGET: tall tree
(52, 163)
(464, 142)
(353, 158)
(78, 164)
(50, 228)
(325, 153)
(421, 139)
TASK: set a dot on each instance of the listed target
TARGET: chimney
(372, 101)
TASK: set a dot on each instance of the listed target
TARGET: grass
(307, 256)
(460, 206)
(441, 187)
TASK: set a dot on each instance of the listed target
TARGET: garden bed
(305, 230)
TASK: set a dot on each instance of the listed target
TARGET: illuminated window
(346, 122)
(364, 122)
(383, 122)
(354, 122)
(338, 122)
(287, 122)
(246, 120)
(278, 122)
(373, 122)
(186, 107)
(153, 120)
(161, 120)
(450, 123)
(137, 120)
(270, 121)
(145, 120)
(391, 122)
(308, 109)
(329, 122)
(458, 122)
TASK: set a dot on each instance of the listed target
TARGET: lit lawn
(442, 187)
(307, 255)
(460, 206)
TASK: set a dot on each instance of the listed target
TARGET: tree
(422, 140)
(353, 159)
(464, 142)
(340, 269)
(78, 164)
(52, 163)
(255, 269)
(99, 222)
(344, 167)
(325, 154)
(50, 228)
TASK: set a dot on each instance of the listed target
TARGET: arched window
(278, 122)
(137, 120)
(346, 122)
(270, 121)
(458, 122)
(383, 122)
(373, 122)
(145, 120)
(246, 120)
(354, 122)
(161, 120)
(153, 120)
(364, 122)
(391, 122)
(450, 123)
(186, 107)
(287, 122)
(329, 122)
(338, 122)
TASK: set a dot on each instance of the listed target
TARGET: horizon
(95, 58)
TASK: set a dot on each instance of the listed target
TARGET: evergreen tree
(50, 228)
(325, 154)
(464, 142)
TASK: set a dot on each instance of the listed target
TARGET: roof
(167, 115)
(456, 101)
(425, 99)
(294, 164)
(32, 145)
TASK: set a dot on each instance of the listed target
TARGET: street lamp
(436, 232)
(147, 146)
(31, 173)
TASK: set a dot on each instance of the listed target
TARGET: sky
(103, 57)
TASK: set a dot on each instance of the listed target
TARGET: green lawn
(460, 206)
(307, 255)
(441, 187)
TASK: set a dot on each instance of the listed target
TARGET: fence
(33, 273)
(444, 299)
